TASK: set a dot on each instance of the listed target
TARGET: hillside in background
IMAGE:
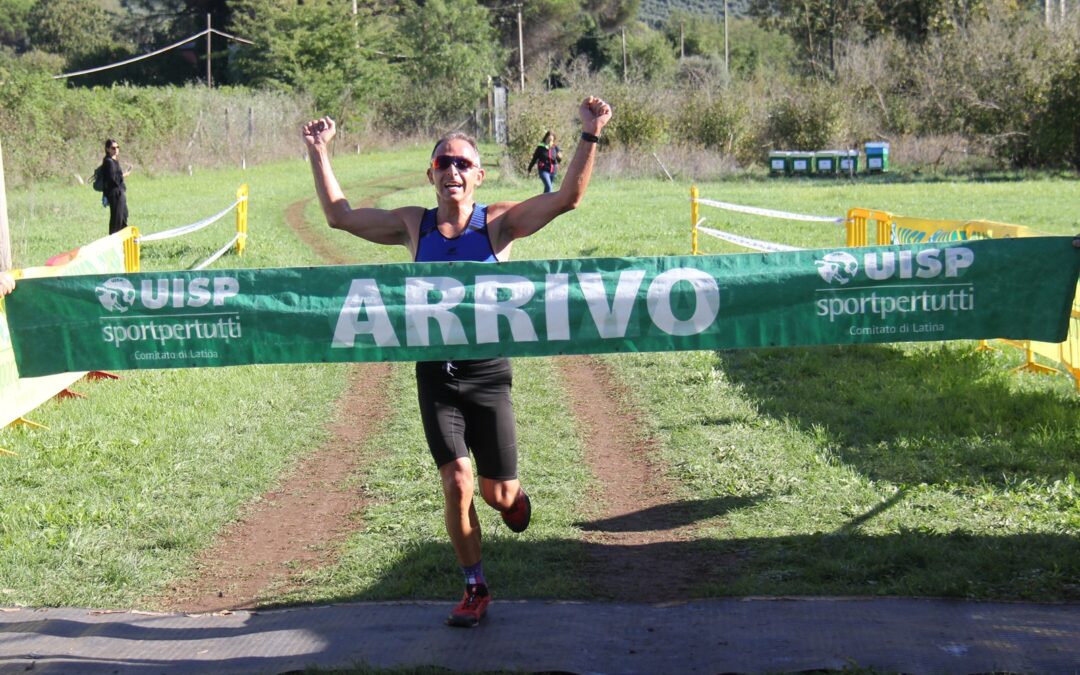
(655, 12)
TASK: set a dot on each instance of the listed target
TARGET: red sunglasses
(443, 162)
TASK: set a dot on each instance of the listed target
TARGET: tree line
(994, 78)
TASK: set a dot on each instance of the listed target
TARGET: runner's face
(452, 183)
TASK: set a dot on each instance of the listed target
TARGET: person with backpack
(546, 159)
(109, 180)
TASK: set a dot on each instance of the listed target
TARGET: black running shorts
(465, 405)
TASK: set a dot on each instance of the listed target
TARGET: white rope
(220, 252)
(746, 242)
(154, 53)
(133, 59)
(188, 229)
(753, 210)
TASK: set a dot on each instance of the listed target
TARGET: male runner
(465, 404)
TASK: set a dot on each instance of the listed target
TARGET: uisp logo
(116, 294)
(119, 295)
(839, 267)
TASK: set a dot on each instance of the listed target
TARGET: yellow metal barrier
(132, 251)
(858, 225)
(693, 219)
(241, 218)
(893, 229)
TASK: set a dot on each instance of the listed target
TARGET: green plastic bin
(802, 163)
(877, 157)
(779, 163)
(848, 162)
(826, 162)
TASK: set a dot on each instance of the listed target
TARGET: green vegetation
(927, 470)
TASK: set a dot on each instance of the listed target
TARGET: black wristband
(586, 136)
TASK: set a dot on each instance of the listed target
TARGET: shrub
(640, 117)
(532, 114)
(806, 120)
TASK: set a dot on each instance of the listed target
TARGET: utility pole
(521, 49)
(5, 236)
(209, 33)
(727, 66)
(1048, 9)
(624, 55)
(1061, 11)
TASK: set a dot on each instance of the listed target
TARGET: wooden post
(5, 236)
(624, 55)
(209, 81)
(521, 49)
(727, 67)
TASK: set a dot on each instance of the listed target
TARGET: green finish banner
(1009, 288)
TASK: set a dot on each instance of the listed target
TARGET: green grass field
(926, 470)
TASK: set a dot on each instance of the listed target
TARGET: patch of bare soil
(300, 524)
(642, 541)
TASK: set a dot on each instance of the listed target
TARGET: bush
(532, 114)
(640, 118)
(51, 130)
(806, 120)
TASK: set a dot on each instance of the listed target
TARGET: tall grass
(917, 469)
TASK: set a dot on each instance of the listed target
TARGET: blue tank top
(472, 244)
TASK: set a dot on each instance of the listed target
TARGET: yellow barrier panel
(20, 395)
(858, 225)
(892, 229)
(693, 219)
(241, 218)
(132, 250)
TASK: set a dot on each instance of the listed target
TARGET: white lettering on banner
(611, 320)
(956, 259)
(418, 311)
(883, 265)
(489, 308)
(169, 330)
(118, 294)
(557, 306)
(706, 297)
(364, 295)
(960, 298)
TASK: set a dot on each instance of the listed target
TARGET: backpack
(99, 179)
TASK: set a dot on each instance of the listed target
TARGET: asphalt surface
(750, 635)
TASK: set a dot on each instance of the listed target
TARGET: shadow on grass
(935, 415)
(668, 516)
(1034, 567)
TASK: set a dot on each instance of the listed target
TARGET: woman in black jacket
(115, 192)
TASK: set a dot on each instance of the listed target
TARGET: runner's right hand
(319, 132)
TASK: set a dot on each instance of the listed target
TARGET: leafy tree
(453, 51)
(816, 26)
(649, 55)
(15, 23)
(317, 46)
(69, 27)
(751, 48)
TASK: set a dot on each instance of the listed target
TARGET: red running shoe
(471, 608)
(517, 517)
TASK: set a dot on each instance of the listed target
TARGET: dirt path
(300, 524)
(306, 519)
(629, 556)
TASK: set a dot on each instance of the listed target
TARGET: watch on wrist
(590, 138)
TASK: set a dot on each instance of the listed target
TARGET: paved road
(714, 636)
